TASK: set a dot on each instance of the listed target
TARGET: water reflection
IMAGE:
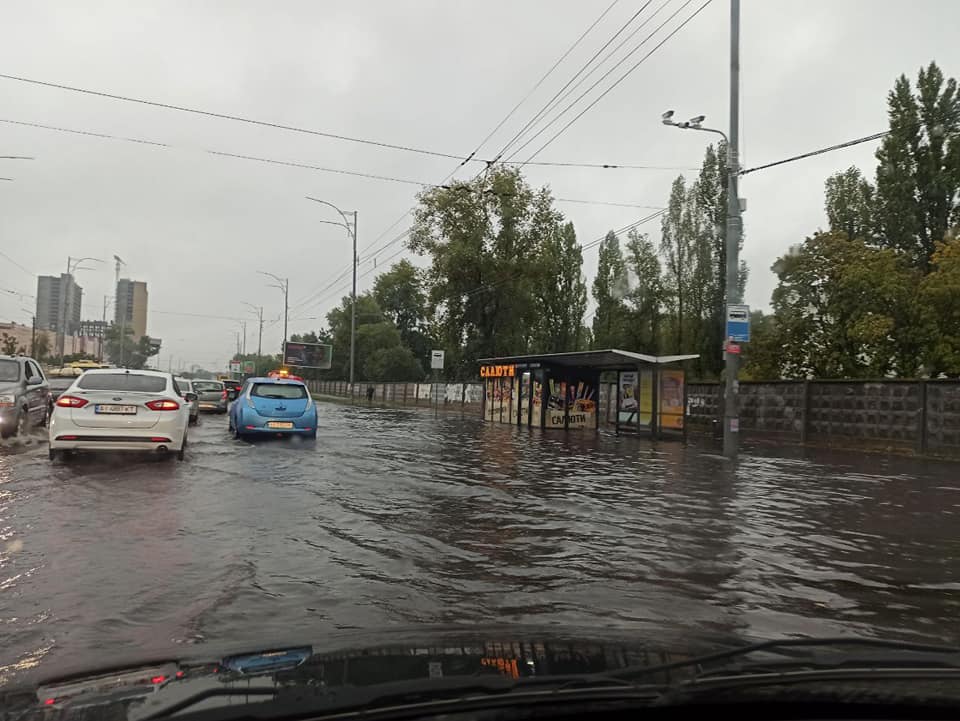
(396, 518)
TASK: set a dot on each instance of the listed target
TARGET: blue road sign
(738, 323)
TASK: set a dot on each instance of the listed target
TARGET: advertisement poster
(537, 404)
(646, 397)
(581, 399)
(512, 400)
(524, 397)
(556, 402)
(627, 398)
(307, 355)
(488, 410)
(671, 399)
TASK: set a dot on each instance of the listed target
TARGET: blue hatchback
(273, 406)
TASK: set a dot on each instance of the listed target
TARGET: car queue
(120, 410)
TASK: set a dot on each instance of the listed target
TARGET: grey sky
(435, 75)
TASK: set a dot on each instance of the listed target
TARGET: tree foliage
(135, 353)
(918, 173)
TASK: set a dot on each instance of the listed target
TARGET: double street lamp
(284, 285)
(353, 295)
(73, 265)
(731, 424)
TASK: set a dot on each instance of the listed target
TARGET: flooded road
(394, 518)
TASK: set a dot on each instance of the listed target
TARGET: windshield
(9, 370)
(122, 382)
(277, 390)
(633, 321)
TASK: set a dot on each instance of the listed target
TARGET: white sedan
(116, 409)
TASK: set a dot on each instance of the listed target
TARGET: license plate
(279, 424)
(115, 409)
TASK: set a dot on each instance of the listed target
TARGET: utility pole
(260, 334)
(244, 338)
(353, 295)
(731, 405)
(286, 306)
(734, 231)
(353, 304)
(123, 310)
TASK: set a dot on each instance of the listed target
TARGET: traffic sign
(436, 360)
(235, 366)
(733, 348)
(738, 323)
(249, 367)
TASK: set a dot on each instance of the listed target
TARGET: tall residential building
(58, 303)
(131, 308)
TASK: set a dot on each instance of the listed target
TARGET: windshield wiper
(423, 695)
(734, 668)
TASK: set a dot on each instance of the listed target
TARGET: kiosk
(562, 390)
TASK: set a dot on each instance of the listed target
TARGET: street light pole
(284, 285)
(734, 230)
(731, 412)
(353, 294)
(73, 265)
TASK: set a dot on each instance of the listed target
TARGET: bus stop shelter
(562, 390)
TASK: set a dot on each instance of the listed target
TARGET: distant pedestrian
(369, 394)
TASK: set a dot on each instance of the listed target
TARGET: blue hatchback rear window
(278, 390)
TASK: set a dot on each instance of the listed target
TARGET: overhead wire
(228, 116)
(28, 272)
(615, 83)
(363, 251)
(821, 151)
(546, 107)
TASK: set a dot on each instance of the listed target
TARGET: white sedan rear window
(122, 382)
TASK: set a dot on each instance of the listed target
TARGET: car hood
(139, 690)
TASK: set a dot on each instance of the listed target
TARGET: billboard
(308, 355)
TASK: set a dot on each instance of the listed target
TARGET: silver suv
(23, 395)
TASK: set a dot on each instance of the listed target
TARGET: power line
(603, 165)
(617, 82)
(226, 116)
(544, 77)
(603, 202)
(220, 153)
(497, 127)
(546, 107)
(17, 264)
(194, 315)
(821, 151)
(596, 67)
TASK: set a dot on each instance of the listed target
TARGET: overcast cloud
(437, 75)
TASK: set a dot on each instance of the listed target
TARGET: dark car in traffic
(232, 387)
(58, 384)
(23, 395)
(212, 396)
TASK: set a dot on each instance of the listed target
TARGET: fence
(921, 416)
(905, 416)
(467, 397)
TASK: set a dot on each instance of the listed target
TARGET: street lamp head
(695, 122)
(667, 118)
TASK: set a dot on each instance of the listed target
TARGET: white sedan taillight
(163, 404)
(71, 402)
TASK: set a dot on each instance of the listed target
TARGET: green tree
(676, 246)
(850, 204)
(9, 345)
(847, 310)
(41, 346)
(484, 248)
(918, 175)
(396, 363)
(940, 293)
(610, 287)
(645, 298)
(135, 352)
(559, 287)
(762, 355)
(402, 298)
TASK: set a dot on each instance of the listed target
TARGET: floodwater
(395, 518)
